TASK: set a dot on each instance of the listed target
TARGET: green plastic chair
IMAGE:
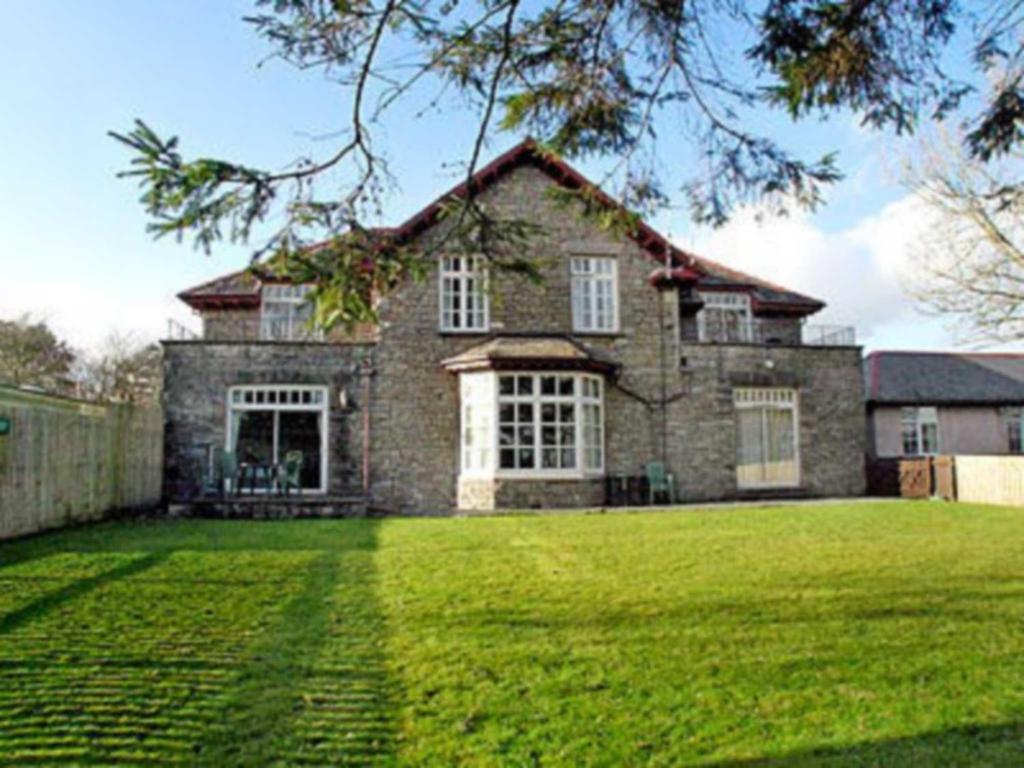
(288, 473)
(229, 472)
(659, 482)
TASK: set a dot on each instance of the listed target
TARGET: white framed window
(919, 428)
(1013, 417)
(532, 424)
(767, 438)
(267, 422)
(285, 313)
(464, 305)
(477, 395)
(725, 317)
(595, 294)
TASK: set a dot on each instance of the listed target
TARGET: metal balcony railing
(829, 336)
(733, 330)
(178, 332)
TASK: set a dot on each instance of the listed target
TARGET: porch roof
(529, 353)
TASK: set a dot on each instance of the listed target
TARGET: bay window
(594, 294)
(767, 438)
(726, 317)
(532, 424)
(463, 300)
(920, 431)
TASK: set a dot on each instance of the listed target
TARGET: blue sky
(72, 238)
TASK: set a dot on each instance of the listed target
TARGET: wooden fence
(64, 461)
(990, 479)
(978, 479)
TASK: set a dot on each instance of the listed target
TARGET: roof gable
(678, 266)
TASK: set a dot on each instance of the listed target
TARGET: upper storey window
(286, 313)
(595, 306)
(463, 286)
(726, 317)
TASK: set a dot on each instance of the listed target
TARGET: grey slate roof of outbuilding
(944, 378)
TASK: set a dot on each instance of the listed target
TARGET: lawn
(865, 634)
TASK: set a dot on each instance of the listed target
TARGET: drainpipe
(366, 371)
(664, 376)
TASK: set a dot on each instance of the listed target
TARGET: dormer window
(595, 305)
(463, 287)
(286, 312)
(726, 317)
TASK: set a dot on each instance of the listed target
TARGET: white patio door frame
(768, 400)
(277, 399)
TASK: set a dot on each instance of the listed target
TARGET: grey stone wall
(196, 380)
(700, 427)
(656, 409)
(416, 411)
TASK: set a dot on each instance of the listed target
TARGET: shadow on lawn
(311, 686)
(988, 745)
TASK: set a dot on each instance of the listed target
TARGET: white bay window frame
(537, 416)
(463, 302)
(595, 294)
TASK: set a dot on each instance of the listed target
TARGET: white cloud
(85, 314)
(859, 271)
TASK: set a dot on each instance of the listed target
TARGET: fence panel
(65, 461)
(916, 478)
(990, 479)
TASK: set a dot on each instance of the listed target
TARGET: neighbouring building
(927, 403)
(480, 391)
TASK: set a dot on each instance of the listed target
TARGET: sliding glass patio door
(266, 423)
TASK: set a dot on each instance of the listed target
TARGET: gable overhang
(681, 267)
(222, 301)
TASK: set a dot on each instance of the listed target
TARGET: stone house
(927, 403)
(480, 391)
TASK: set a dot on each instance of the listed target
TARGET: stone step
(272, 507)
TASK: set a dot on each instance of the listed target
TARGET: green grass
(865, 634)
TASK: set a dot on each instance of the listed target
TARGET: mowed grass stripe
(863, 634)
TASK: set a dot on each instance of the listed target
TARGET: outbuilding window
(532, 424)
(1014, 420)
(920, 431)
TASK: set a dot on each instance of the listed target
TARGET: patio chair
(659, 482)
(288, 473)
(229, 472)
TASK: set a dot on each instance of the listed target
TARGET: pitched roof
(944, 378)
(528, 351)
(685, 267)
